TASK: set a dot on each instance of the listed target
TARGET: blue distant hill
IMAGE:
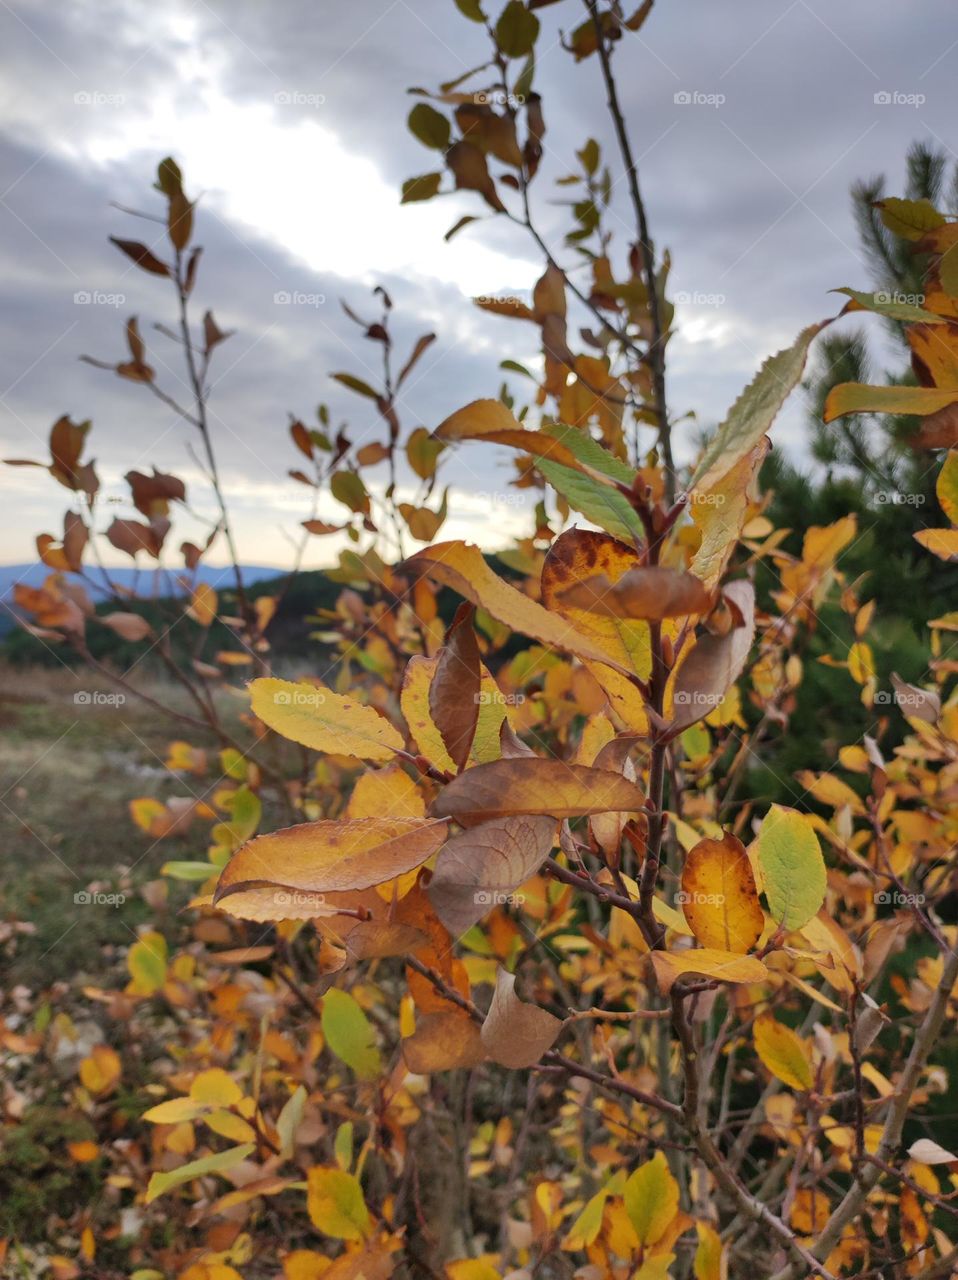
(167, 582)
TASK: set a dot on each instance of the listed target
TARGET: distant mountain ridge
(33, 575)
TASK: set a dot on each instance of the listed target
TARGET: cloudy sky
(288, 119)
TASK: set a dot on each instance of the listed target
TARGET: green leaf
(343, 1146)
(651, 1197)
(349, 1034)
(470, 9)
(516, 30)
(910, 219)
(754, 411)
(347, 487)
(288, 1121)
(885, 305)
(160, 1183)
(355, 384)
(245, 811)
(604, 506)
(430, 126)
(189, 870)
(793, 869)
(422, 188)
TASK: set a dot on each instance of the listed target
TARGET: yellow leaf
(324, 720)
(100, 1071)
(386, 793)
(216, 1087)
(335, 1203)
(783, 1052)
(719, 898)
(231, 1126)
(710, 1260)
(941, 542)
(855, 397)
(203, 605)
(651, 1199)
(725, 966)
(414, 702)
(303, 1264)
(461, 566)
(575, 556)
(829, 790)
(861, 663)
(175, 1111)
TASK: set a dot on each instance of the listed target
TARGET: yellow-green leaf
(793, 869)
(784, 1052)
(856, 397)
(651, 1199)
(349, 1034)
(335, 1203)
(221, 1162)
(324, 720)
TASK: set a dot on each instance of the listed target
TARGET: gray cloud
(750, 194)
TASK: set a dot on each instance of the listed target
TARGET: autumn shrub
(530, 984)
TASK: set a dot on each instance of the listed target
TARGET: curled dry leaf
(477, 868)
(454, 690)
(442, 1042)
(535, 786)
(716, 662)
(650, 592)
(516, 1034)
(719, 897)
(129, 626)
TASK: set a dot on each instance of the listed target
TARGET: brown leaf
(443, 1042)
(516, 1034)
(132, 536)
(469, 168)
(454, 691)
(331, 856)
(129, 626)
(141, 255)
(651, 592)
(535, 786)
(481, 867)
(715, 662)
